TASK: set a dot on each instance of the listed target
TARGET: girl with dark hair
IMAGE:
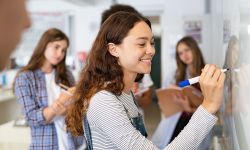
(37, 90)
(104, 103)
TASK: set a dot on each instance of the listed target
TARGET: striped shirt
(111, 128)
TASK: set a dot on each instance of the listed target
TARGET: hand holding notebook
(167, 99)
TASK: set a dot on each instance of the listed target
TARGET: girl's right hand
(65, 97)
(58, 108)
(212, 84)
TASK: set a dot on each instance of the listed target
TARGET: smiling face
(137, 49)
(185, 54)
(55, 52)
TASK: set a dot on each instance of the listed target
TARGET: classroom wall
(84, 19)
(173, 29)
(84, 22)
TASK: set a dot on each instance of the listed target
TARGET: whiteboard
(235, 44)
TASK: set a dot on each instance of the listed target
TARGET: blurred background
(212, 23)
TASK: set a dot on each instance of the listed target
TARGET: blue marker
(194, 80)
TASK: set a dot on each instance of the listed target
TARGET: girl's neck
(128, 80)
(47, 68)
(190, 68)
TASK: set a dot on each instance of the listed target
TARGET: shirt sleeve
(112, 119)
(24, 96)
(195, 131)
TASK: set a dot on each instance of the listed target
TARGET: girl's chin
(55, 63)
(188, 62)
(147, 71)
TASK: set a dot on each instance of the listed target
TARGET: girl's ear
(113, 50)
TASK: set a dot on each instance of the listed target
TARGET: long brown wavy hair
(102, 71)
(37, 59)
(198, 61)
(125, 8)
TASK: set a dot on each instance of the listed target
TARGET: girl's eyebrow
(144, 38)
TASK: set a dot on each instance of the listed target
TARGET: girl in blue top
(37, 91)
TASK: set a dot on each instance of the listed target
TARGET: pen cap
(184, 83)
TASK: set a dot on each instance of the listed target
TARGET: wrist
(49, 114)
(210, 108)
(52, 110)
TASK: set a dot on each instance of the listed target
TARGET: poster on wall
(193, 28)
(40, 22)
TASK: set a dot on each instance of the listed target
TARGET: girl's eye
(152, 43)
(64, 50)
(142, 44)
